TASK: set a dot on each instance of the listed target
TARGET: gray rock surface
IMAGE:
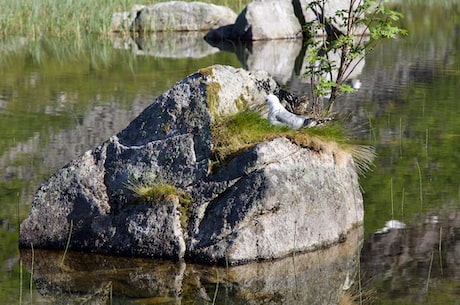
(269, 201)
(259, 20)
(328, 12)
(173, 16)
(265, 20)
(262, 20)
(285, 199)
(275, 19)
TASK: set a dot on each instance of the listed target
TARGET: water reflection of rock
(398, 69)
(311, 278)
(277, 57)
(167, 44)
(284, 59)
(92, 127)
(404, 260)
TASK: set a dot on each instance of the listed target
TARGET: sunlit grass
(69, 18)
(57, 18)
(236, 133)
(158, 193)
(161, 193)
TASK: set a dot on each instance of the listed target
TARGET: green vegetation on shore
(71, 19)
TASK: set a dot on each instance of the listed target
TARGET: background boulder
(265, 20)
(173, 16)
(285, 19)
(261, 20)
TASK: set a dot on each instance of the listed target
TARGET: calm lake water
(56, 102)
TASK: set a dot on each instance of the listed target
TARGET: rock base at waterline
(271, 200)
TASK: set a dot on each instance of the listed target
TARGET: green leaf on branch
(371, 17)
(346, 88)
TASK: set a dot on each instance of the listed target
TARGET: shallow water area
(60, 98)
(298, 279)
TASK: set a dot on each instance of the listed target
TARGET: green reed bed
(60, 18)
(69, 18)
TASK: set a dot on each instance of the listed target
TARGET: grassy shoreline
(72, 19)
(75, 19)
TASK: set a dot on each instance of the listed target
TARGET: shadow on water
(310, 278)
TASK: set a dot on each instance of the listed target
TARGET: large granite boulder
(269, 19)
(173, 16)
(270, 200)
(285, 19)
(261, 20)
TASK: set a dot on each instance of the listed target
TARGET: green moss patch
(212, 97)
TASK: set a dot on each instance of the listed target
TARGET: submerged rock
(269, 201)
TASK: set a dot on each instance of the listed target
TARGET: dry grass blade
(363, 156)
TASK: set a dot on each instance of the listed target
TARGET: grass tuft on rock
(158, 193)
(236, 133)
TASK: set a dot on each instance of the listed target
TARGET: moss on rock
(212, 97)
(156, 194)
